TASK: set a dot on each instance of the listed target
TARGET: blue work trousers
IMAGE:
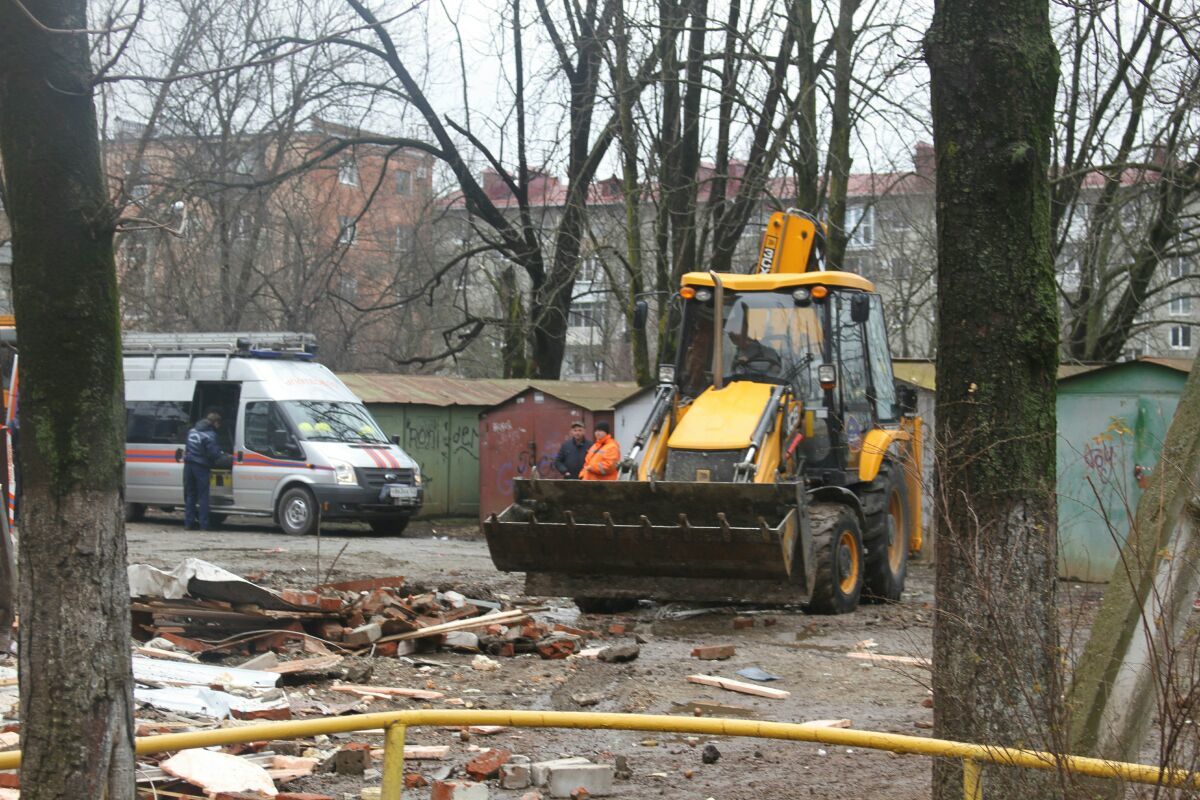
(195, 495)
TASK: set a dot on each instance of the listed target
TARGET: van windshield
(325, 421)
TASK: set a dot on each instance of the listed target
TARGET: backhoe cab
(776, 464)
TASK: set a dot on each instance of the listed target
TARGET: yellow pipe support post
(710, 726)
(972, 780)
(393, 763)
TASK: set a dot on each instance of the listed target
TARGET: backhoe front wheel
(837, 540)
(887, 535)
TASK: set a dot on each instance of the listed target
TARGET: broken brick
(10, 780)
(558, 646)
(743, 622)
(284, 712)
(414, 780)
(487, 764)
(458, 790)
(329, 630)
(617, 628)
(301, 796)
(352, 759)
(304, 599)
(716, 652)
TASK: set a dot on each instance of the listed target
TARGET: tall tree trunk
(76, 682)
(839, 135)
(632, 194)
(994, 70)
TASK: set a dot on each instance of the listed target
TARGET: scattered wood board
(387, 691)
(828, 723)
(318, 664)
(737, 686)
(705, 709)
(420, 752)
(505, 617)
(881, 657)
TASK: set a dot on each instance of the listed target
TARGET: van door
(270, 453)
(155, 433)
(222, 397)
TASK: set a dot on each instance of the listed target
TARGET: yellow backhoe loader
(779, 462)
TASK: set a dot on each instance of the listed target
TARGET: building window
(422, 171)
(348, 172)
(347, 230)
(403, 182)
(1179, 305)
(1181, 337)
(860, 226)
(589, 270)
(404, 237)
(1178, 268)
(584, 315)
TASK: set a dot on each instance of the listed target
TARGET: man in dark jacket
(569, 460)
(202, 454)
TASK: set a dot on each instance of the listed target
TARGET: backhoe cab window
(767, 338)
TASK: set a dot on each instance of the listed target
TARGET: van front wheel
(297, 512)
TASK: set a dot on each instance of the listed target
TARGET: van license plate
(403, 493)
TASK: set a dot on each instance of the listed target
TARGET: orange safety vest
(600, 463)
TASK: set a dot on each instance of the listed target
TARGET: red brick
(298, 597)
(366, 585)
(506, 650)
(582, 794)
(330, 603)
(714, 652)
(487, 764)
(557, 648)
(301, 796)
(449, 790)
(743, 622)
(265, 713)
(387, 649)
(414, 781)
(617, 628)
(329, 630)
(10, 780)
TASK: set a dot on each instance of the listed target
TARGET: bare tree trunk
(632, 198)
(76, 682)
(839, 135)
(994, 71)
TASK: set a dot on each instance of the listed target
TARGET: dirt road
(808, 653)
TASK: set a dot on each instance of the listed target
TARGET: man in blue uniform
(203, 453)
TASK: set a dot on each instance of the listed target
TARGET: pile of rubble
(261, 771)
(202, 609)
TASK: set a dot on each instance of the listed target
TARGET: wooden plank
(828, 723)
(880, 657)
(306, 665)
(387, 691)
(737, 686)
(461, 625)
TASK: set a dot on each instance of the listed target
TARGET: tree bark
(994, 70)
(1134, 642)
(76, 682)
(844, 37)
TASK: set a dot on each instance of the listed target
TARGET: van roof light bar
(253, 344)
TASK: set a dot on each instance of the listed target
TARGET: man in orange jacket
(600, 463)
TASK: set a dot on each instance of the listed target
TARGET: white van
(304, 447)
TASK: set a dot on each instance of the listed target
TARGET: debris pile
(203, 609)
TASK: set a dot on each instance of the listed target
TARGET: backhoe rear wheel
(837, 539)
(887, 534)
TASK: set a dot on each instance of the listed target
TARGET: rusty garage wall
(524, 432)
(437, 420)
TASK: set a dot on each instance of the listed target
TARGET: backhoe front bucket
(728, 542)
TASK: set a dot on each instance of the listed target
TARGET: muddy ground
(808, 653)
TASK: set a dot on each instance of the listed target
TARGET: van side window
(155, 422)
(267, 432)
